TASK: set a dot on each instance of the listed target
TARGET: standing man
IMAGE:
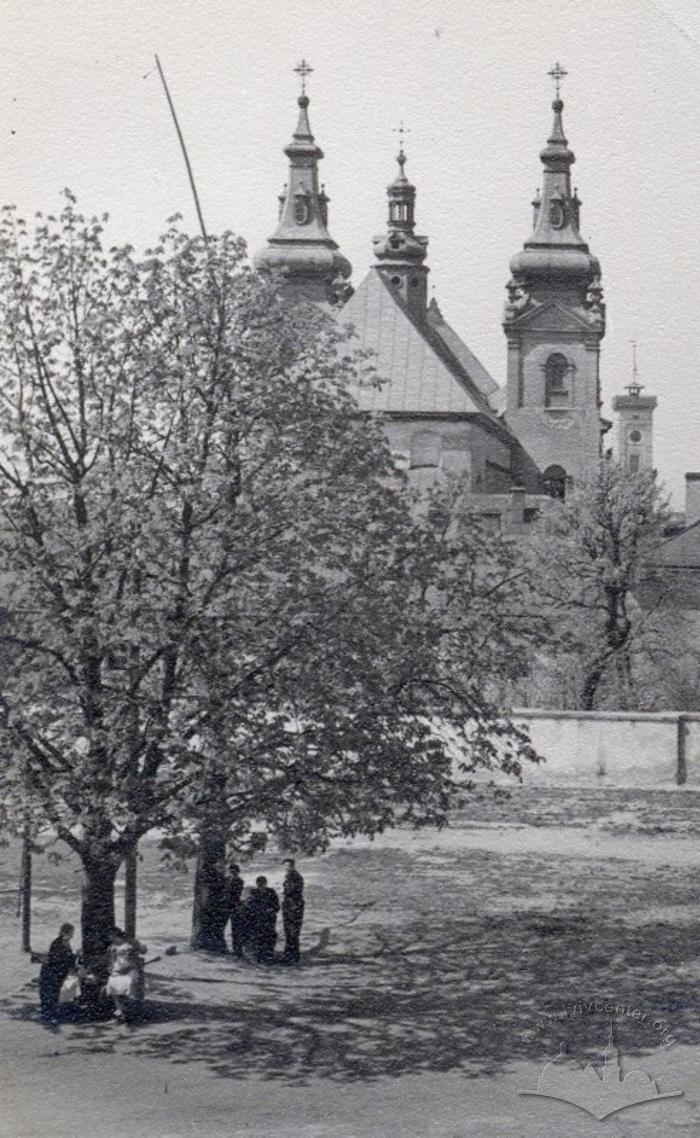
(263, 907)
(292, 911)
(236, 909)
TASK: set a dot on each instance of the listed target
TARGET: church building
(440, 408)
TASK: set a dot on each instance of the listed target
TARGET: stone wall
(635, 749)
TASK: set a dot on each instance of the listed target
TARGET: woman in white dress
(125, 982)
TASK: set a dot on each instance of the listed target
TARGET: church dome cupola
(400, 251)
(402, 198)
(301, 247)
(556, 251)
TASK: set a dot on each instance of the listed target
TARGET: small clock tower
(635, 414)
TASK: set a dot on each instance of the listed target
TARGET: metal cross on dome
(557, 73)
(302, 71)
(401, 130)
(635, 386)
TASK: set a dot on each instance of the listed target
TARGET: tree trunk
(590, 687)
(130, 892)
(97, 916)
(210, 907)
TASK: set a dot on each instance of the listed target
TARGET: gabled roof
(550, 317)
(422, 373)
(465, 356)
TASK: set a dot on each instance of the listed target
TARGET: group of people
(116, 978)
(253, 916)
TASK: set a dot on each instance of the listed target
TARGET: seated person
(125, 983)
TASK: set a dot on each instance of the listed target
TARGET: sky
(81, 106)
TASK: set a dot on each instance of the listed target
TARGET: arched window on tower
(554, 479)
(634, 454)
(399, 211)
(556, 381)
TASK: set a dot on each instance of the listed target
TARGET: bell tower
(554, 322)
(301, 248)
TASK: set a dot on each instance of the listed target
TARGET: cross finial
(402, 131)
(557, 73)
(302, 71)
(635, 386)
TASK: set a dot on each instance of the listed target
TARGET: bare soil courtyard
(422, 1011)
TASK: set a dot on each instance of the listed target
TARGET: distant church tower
(635, 412)
(554, 322)
(400, 252)
(301, 246)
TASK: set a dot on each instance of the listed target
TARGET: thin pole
(184, 149)
(25, 889)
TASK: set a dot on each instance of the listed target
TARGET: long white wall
(635, 749)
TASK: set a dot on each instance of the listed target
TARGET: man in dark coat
(292, 911)
(261, 918)
(59, 964)
(236, 909)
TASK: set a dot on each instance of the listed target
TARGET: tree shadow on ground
(443, 959)
(468, 994)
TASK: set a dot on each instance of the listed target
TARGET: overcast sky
(80, 106)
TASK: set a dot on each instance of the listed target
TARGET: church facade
(441, 410)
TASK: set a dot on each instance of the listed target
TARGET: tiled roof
(461, 351)
(420, 371)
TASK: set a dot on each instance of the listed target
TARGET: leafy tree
(591, 562)
(222, 613)
(406, 635)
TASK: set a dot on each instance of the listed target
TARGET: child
(59, 964)
(125, 981)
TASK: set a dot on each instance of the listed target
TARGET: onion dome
(556, 251)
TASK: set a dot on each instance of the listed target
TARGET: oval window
(301, 210)
(635, 436)
(556, 215)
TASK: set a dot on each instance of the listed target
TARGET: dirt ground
(424, 1010)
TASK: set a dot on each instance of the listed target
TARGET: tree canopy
(219, 596)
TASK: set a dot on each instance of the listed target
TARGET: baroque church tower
(554, 322)
(301, 248)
